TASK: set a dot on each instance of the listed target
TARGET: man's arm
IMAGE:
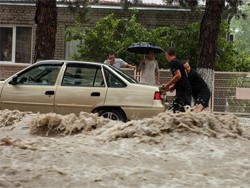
(177, 76)
(124, 64)
(106, 62)
(130, 66)
(158, 78)
(157, 73)
(141, 66)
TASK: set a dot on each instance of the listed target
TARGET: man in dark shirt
(179, 82)
(200, 90)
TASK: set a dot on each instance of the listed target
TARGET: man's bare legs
(199, 108)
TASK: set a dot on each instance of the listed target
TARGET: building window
(71, 46)
(15, 44)
(71, 49)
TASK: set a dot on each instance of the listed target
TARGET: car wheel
(113, 114)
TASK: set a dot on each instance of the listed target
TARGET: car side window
(112, 80)
(39, 75)
(83, 75)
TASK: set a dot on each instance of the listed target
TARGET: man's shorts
(203, 97)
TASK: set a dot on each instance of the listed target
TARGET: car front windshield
(124, 75)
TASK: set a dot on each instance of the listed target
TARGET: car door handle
(95, 94)
(49, 93)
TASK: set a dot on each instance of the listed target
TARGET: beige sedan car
(64, 87)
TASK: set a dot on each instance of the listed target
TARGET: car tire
(113, 114)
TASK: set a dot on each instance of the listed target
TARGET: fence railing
(230, 92)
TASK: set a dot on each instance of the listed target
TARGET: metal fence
(230, 91)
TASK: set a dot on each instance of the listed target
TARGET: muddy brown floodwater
(170, 150)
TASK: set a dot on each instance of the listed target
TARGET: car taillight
(157, 95)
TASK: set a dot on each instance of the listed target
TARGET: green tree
(209, 31)
(241, 30)
(104, 37)
(113, 34)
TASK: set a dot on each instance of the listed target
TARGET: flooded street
(170, 150)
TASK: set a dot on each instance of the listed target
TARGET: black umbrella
(144, 47)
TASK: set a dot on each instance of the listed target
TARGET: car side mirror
(13, 81)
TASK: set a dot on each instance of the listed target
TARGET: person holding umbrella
(149, 66)
(149, 70)
(117, 62)
(179, 82)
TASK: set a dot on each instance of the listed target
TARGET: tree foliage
(79, 8)
(241, 30)
(229, 57)
(113, 34)
(210, 26)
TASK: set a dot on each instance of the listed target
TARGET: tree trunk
(209, 31)
(46, 20)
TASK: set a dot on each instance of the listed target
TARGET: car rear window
(112, 80)
(124, 75)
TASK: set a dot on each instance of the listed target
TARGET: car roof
(67, 61)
